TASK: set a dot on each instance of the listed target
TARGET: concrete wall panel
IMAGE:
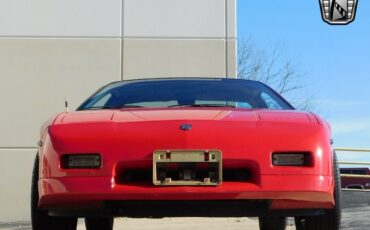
(174, 18)
(60, 18)
(231, 18)
(231, 58)
(144, 58)
(15, 183)
(37, 74)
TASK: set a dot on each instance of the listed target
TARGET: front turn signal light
(291, 159)
(81, 161)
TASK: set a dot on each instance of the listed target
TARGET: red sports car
(181, 147)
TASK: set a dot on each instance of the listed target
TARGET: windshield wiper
(138, 106)
(113, 107)
(204, 105)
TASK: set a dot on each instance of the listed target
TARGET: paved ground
(186, 224)
(354, 218)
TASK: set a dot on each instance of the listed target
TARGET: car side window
(100, 101)
(269, 101)
(244, 105)
(359, 171)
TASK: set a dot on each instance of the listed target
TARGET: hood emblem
(186, 127)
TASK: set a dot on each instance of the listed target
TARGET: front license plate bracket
(187, 167)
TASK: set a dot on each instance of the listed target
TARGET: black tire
(331, 219)
(40, 218)
(272, 223)
(99, 223)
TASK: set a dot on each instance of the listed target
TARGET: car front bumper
(274, 192)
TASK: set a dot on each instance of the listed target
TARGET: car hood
(187, 114)
(217, 128)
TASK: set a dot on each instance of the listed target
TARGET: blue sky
(335, 60)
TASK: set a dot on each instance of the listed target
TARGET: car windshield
(186, 93)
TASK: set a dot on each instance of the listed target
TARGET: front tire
(40, 218)
(331, 219)
(99, 223)
(272, 223)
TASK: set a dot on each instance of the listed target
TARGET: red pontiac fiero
(181, 147)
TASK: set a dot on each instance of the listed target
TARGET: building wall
(51, 50)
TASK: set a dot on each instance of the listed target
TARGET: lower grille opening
(188, 172)
(236, 175)
(132, 176)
